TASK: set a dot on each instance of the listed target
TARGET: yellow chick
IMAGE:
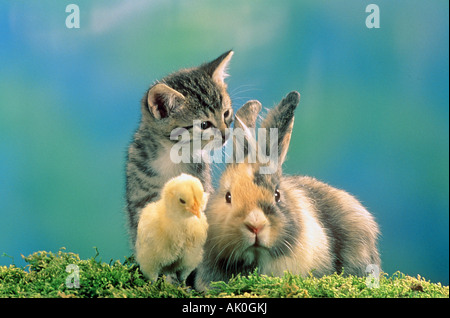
(172, 231)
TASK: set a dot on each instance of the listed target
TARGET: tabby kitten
(175, 102)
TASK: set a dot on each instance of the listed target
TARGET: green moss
(45, 276)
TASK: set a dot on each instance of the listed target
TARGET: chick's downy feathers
(172, 231)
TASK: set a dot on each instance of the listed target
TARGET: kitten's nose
(225, 133)
(225, 136)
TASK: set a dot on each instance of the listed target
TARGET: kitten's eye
(226, 114)
(277, 196)
(182, 201)
(205, 125)
(228, 197)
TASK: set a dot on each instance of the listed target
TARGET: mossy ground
(45, 276)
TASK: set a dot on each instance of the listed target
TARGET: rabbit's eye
(228, 197)
(277, 195)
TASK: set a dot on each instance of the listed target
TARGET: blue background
(373, 117)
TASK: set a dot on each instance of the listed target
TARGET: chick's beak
(195, 209)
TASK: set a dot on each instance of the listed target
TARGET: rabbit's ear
(246, 115)
(244, 130)
(281, 117)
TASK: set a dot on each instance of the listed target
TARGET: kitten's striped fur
(175, 101)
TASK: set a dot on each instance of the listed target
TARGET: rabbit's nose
(254, 229)
(255, 221)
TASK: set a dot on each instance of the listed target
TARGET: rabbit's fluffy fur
(277, 223)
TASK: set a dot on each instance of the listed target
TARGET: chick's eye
(277, 195)
(182, 201)
(228, 197)
(205, 125)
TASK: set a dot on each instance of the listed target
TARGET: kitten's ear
(162, 100)
(217, 69)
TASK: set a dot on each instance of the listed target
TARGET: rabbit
(279, 223)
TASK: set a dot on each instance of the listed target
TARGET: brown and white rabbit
(282, 223)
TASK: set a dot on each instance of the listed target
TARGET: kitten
(197, 93)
